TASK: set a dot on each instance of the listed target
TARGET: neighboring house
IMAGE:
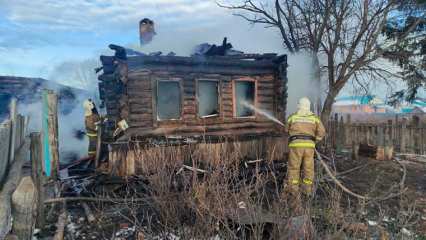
(420, 110)
(360, 104)
(417, 106)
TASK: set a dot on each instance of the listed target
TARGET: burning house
(195, 103)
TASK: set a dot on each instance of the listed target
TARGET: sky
(38, 35)
(50, 38)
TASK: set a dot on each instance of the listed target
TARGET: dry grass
(233, 200)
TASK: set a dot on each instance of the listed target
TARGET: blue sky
(39, 38)
(37, 35)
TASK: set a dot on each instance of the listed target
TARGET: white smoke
(67, 122)
(300, 81)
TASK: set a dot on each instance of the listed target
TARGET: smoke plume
(70, 117)
(301, 82)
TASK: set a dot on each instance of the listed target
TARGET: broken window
(208, 98)
(244, 98)
(168, 100)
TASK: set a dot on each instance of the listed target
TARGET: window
(168, 100)
(208, 98)
(244, 97)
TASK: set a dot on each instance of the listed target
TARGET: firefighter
(305, 129)
(91, 121)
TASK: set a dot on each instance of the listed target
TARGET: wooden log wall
(142, 99)
(142, 159)
(131, 94)
(405, 135)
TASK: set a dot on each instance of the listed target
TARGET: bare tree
(344, 34)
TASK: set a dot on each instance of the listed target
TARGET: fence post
(5, 131)
(50, 134)
(389, 134)
(13, 117)
(339, 134)
(423, 137)
(335, 128)
(416, 133)
(38, 177)
(403, 135)
(348, 134)
(367, 134)
(379, 136)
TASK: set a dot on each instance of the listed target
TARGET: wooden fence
(12, 137)
(405, 135)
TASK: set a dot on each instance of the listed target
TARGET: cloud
(85, 15)
(48, 33)
(28, 24)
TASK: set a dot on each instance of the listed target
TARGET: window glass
(208, 98)
(168, 100)
(244, 95)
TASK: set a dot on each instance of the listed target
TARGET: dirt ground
(378, 176)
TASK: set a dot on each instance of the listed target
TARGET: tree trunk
(317, 81)
(327, 107)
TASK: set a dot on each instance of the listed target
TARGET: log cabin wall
(129, 90)
(140, 159)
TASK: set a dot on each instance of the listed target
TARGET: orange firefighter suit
(91, 119)
(305, 129)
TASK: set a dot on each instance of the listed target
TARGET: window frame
(219, 102)
(234, 97)
(179, 81)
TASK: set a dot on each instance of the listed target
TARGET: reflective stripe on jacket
(305, 125)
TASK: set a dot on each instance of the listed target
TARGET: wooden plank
(13, 178)
(266, 87)
(226, 98)
(189, 98)
(139, 92)
(142, 124)
(417, 136)
(140, 84)
(14, 128)
(24, 200)
(52, 105)
(136, 109)
(62, 223)
(141, 101)
(130, 163)
(423, 139)
(36, 155)
(140, 117)
(5, 130)
(403, 136)
(189, 103)
(141, 62)
(269, 101)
